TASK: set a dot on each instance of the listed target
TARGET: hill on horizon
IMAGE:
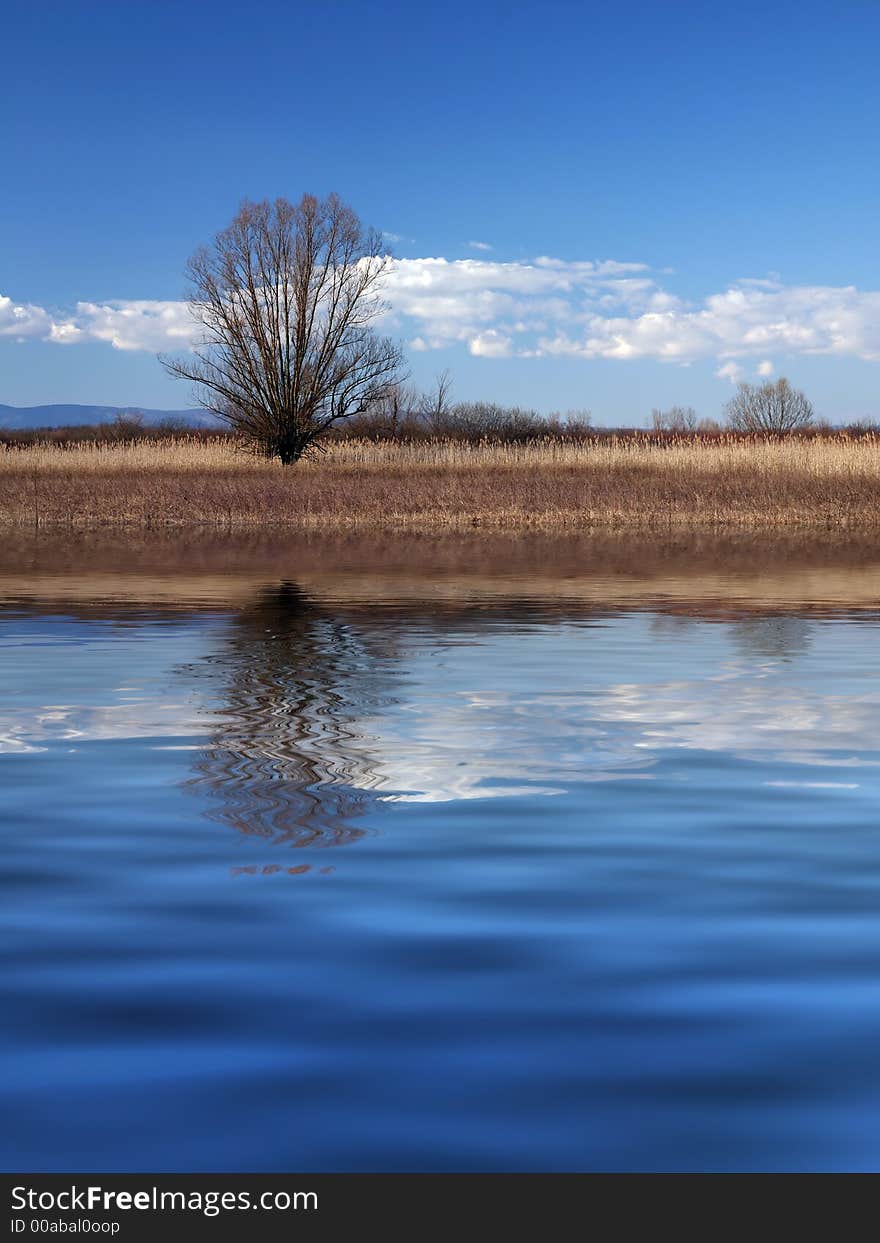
(27, 418)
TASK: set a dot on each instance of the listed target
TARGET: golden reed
(611, 482)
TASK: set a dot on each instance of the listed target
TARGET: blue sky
(705, 178)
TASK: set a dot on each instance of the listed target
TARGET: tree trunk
(290, 449)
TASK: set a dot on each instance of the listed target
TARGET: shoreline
(713, 576)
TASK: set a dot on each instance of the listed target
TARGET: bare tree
(388, 413)
(434, 405)
(485, 420)
(286, 298)
(125, 425)
(768, 407)
(675, 419)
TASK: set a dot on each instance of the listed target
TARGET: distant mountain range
(14, 418)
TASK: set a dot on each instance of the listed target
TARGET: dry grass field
(829, 482)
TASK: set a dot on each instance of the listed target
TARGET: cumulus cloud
(546, 307)
(491, 344)
(22, 320)
(459, 301)
(743, 321)
(136, 325)
(730, 371)
(479, 246)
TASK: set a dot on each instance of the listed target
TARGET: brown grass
(616, 482)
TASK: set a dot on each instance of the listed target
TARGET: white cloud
(479, 246)
(546, 307)
(137, 325)
(455, 301)
(22, 320)
(491, 344)
(742, 321)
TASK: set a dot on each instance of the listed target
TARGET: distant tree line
(124, 427)
(403, 413)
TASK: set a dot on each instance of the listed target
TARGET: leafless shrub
(769, 407)
(433, 406)
(125, 426)
(863, 427)
(675, 419)
(406, 415)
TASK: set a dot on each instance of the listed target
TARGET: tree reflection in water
(778, 637)
(757, 637)
(296, 684)
(287, 763)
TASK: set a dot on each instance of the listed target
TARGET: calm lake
(467, 854)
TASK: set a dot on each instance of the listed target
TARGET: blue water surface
(296, 885)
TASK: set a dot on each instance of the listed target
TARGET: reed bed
(610, 482)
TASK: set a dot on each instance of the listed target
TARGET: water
(467, 860)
